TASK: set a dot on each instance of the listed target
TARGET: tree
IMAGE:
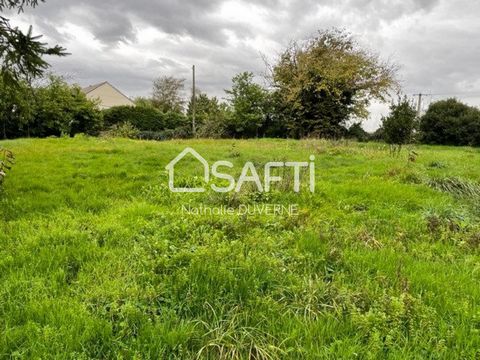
(398, 127)
(143, 102)
(22, 55)
(247, 100)
(142, 118)
(324, 81)
(451, 122)
(16, 109)
(22, 60)
(167, 94)
(210, 116)
(61, 109)
(356, 131)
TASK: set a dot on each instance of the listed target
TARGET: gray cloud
(131, 42)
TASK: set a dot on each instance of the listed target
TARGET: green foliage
(142, 118)
(122, 130)
(51, 109)
(356, 131)
(182, 132)
(150, 123)
(144, 102)
(22, 55)
(210, 116)
(61, 109)
(456, 186)
(450, 122)
(98, 261)
(378, 135)
(323, 82)
(399, 125)
(6, 162)
(16, 109)
(247, 100)
(177, 120)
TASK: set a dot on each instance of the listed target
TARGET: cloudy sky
(436, 42)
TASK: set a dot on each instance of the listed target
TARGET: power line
(465, 93)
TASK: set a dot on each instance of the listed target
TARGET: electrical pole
(419, 105)
(194, 128)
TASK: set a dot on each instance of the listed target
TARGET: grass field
(97, 259)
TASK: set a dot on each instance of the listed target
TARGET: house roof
(91, 88)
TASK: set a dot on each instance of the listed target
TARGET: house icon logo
(171, 171)
(249, 174)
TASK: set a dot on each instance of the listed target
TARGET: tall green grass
(98, 261)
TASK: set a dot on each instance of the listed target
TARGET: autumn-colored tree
(323, 82)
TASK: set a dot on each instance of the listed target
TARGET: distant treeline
(313, 89)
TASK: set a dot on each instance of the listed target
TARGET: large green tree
(61, 109)
(16, 109)
(247, 100)
(323, 82)
(22, 59)
(451, 122)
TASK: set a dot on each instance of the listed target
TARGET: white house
(107, 95)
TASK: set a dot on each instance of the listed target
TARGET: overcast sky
(128, 43)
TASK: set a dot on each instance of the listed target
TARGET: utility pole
(194, 128)
(419, 105)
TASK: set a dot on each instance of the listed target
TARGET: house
(108, 95)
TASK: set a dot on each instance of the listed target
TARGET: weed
(456, 186)
(7, 160)
(437, 165)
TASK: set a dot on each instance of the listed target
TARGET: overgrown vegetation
(51, 108)
(450, 122)
(398, 126)
(456, 186)
(98, 261)
(325, 81)
(6, 162)
(320, 88)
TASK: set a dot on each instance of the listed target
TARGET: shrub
(176, 120)
(6, 161)
(167, 134)
(398, 127)
(152, 135)
(357, 132)
(123, 130)
(142, 118)
(62, 109)
(52, 109)
(450, 122)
